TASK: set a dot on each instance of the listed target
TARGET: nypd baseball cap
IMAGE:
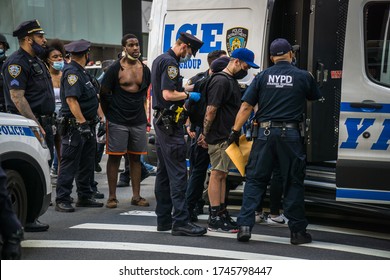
(245, 55)
(279, 47)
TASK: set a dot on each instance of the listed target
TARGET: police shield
(236, 37)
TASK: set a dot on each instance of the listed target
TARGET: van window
(377, 36)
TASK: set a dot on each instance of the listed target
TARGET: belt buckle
(267, 131)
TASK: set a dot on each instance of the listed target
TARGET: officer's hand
(101, 129)
(234, 137)
(194, 96)
(85, 130)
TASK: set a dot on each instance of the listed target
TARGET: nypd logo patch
(236, 38)
(173, 71)
(72, 79)
(14, 70)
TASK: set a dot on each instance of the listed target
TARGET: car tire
(18, 194)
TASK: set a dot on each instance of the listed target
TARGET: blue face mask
(38, 49)
(58, 65)
(2, 53)
(185, 59)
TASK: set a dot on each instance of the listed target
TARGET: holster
(63, 126)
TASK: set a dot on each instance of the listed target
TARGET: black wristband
(187, 93)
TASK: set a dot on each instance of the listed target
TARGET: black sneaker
(220, 224)
(301, 237)
(64, 207)
(226, 216)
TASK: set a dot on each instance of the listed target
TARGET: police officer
(4, 46)
(28, 89)
(10, 228)
(280, 92)
(79, 111)
(171, 177)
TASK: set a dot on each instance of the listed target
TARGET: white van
(24, 157)
(345, 45)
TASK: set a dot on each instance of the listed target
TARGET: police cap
(80, 46)
(27, 28)
(4, 41)
(194, 43)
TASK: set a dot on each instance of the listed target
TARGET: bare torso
(130, 76)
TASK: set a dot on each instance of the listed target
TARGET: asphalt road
(129, 233)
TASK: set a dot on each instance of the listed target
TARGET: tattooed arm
(211, 112)
(21, 103)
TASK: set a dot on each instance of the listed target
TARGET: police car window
(377, 36)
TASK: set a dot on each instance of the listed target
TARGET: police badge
(72, 79)
(236, 37)
(172, 72)
(14, 70)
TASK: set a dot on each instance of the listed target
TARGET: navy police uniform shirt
(166, 75)
(281, 92)
(21, 71)
(75, 82)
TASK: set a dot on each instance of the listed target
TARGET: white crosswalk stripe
(255, 237)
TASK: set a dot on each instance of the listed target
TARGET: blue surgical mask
(2, 53)
(185, 59)
(58, 65)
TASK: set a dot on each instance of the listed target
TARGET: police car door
(363, 165)
(220, 24)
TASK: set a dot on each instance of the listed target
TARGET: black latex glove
(101, 129)
(85, 130)
(234, 137)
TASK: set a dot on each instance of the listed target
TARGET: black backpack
(197, 111)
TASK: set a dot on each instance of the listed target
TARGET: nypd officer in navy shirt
(171, 177)
(79, 110)
(28, 89)
(280, 93)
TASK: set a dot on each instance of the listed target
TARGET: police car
(24, 157)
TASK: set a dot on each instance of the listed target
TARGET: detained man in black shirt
(223, 103)
(123, 98)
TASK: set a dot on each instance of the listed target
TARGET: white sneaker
(259, 217)
(280, 220)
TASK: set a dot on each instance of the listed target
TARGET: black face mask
(240, 74)
(39, 50)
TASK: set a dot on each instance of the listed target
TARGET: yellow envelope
(239, 155)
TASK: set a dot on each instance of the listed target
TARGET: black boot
(244, 233)
(300, 237)
(11, 247)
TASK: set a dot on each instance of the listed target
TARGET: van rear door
(220, 24)
(363, 165)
